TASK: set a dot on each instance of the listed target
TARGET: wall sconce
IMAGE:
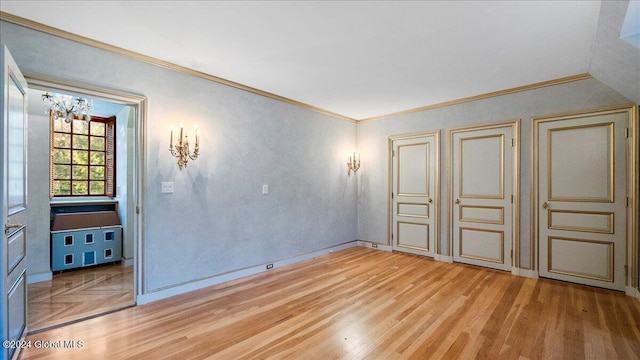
(353, 164)
(181, 148)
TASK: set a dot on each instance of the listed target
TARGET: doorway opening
(89, 265)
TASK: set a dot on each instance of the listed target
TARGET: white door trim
(515, 221)
(139, 102)
(633, 188)
(436, 195)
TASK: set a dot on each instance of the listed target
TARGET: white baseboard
(236, 274)
(631, 291)
(444, 258)
(524, 272)
(127, 262)
(36, 278)
(374, 245)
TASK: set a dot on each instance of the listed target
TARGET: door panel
(581, 200)
(414, 193)
(14, 202)
(581, 152)
(480, 244)
(482, 174)
(485, 174)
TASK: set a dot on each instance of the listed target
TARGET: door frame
(515, 182)
(436, 196)
(632, 190)
(139, 103)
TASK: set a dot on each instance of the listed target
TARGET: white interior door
(482, 192)
(14, 202)
(581, 200)
(414, 194)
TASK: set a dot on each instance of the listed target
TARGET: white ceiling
(360, 59)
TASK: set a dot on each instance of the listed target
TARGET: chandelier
(67, 107)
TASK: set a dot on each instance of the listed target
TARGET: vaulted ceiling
(359, 59)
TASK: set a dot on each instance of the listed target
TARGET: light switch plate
(167, 187)
(265, 189)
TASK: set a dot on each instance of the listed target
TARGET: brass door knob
(8, 227)
(457, 201)
(545, 205)
(430, 200)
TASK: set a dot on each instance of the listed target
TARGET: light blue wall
(217, 220)
(615, 61)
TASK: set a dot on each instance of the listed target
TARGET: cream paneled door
(581, 198)
(415, 193)
(482, 191)
(14, 201)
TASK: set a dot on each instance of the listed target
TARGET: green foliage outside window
(79, 158)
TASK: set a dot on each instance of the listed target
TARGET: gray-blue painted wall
(217, 220)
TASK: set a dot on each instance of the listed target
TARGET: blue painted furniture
(85, 239)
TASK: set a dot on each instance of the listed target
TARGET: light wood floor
(78, 294)
(366, 304)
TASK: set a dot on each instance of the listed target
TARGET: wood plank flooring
(365, 304)
(78, 294)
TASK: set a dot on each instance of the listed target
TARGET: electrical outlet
(167, 187)
(375, 246)
(269, 266)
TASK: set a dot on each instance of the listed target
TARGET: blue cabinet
(85, 247)
(85, 239)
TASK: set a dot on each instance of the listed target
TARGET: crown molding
(30, 24)
(539, 85)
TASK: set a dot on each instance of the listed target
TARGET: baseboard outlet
(444, 258)
(235, 274)
(374, 245)
(524, 273)
(36, 278)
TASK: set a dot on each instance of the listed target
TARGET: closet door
(482, 194)
(414, 194)
(581, 203)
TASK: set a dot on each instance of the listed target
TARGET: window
(82, 157)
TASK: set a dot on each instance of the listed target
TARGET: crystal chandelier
(67, 107)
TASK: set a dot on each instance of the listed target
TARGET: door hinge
(512, 199)
(626, 202)
(137, 209)
(626, 133)
(511, 254)
(626, 270)
(392, 195)
(393, 153)
(511, 142)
